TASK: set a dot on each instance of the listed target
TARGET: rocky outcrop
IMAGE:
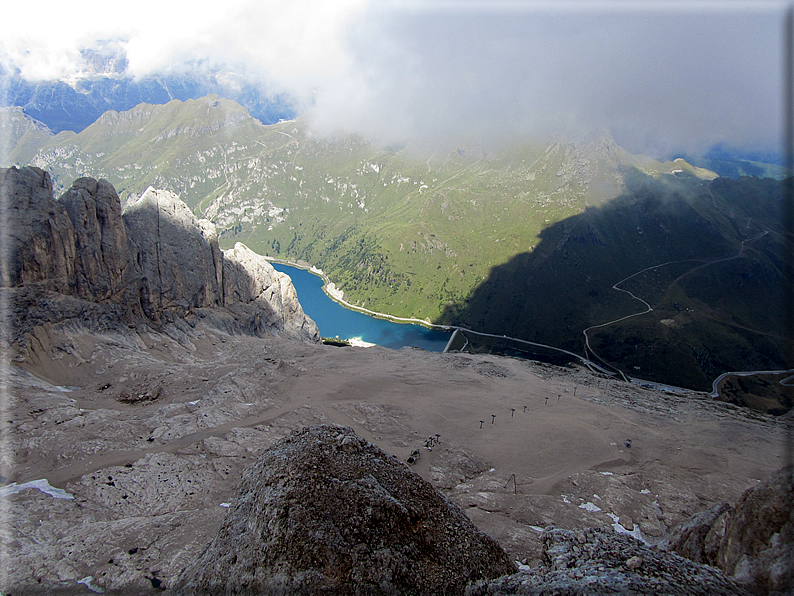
(177, 254)
(102, 253)
(151, 264)
(249, 277)
(41, 244)
(753, 541)
(325, 512)
(699, 538)
(600, 562)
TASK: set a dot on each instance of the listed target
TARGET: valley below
(659, 270)
(583, 229)
(145, 436)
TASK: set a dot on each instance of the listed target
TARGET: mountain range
(527, 240)
(103, 83)
(399, 231)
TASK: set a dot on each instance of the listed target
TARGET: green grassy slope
(525, 241)
(711, 261)
(398, 232)
(20, 136)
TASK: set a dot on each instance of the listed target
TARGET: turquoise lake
(333, 319)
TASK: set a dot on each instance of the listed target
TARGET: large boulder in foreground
(326, 512)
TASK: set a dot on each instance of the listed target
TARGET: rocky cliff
(600, 562)
(752, 541)
(155, 264)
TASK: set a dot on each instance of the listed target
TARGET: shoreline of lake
(335, 317)
(336, 296)
(340, 300)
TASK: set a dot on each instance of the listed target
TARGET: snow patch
(88, 582)
(42, 485)
(635, 531)
(589, 507)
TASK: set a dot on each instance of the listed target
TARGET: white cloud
(660, 74)
(297, 41)
(658, 78)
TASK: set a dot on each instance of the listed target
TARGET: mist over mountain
(660, 77)
(74, 103)
(103, 83)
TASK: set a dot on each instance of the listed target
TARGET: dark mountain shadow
(711, 256)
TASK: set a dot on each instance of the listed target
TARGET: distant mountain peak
(102, 82)
(679, 165)
(105, 57)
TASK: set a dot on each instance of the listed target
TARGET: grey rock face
(758, 548)
(699, 538)
(249, 278)
(41, 247)
(753, 542)
(600, 562)
(153, 263)
(176, 254)
(102, 254)
(325, 512)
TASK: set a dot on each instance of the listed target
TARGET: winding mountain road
(648, 307)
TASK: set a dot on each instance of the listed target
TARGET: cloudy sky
(661, 75)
